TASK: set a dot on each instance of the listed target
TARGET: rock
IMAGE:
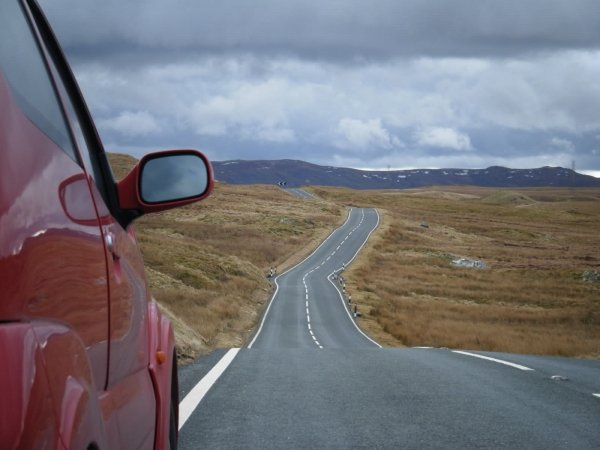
(471, 263)
(591, 276)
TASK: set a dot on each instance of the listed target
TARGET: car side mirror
(165, 180)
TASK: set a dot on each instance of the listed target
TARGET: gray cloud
(335, 29)
(366, 84)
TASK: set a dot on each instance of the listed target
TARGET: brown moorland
(531, 297)
(206, 264)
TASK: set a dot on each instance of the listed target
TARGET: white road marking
(316, 268)
(195, 396)
(341, 296)
(262, 322)
(312, 334)
(350, 316)
(422, 347)
(596, 395)
(500, 361)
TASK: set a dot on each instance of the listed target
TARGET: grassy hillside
(531, 298)
(207, 262)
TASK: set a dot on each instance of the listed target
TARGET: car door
(56, 258)
(53, 285)
(128, 401)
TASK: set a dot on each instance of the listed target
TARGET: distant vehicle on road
(88, 361)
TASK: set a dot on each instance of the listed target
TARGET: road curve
(335, 388)
(301, 193)
(308, 309)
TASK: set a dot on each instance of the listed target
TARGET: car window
(78, 130)
(23, 68)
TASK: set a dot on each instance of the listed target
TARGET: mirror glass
(173, 177)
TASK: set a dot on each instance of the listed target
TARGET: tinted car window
(23, 68)
(79, 135)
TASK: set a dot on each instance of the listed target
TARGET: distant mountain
(300, 173)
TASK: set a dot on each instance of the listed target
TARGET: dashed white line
(596, 395)
(274, 296)
(499, 361)
(195, 396)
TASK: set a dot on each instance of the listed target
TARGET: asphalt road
(297, 192)
(330, 386)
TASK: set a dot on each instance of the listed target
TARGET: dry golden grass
(530, 299)
(206, 263)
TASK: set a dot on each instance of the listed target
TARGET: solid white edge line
(262, 322)
(189, 404)
(500, 361)
(340, 293)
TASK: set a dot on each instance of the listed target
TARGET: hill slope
(300, 173)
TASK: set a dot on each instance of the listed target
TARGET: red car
(88, 361)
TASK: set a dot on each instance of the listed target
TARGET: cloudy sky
(366, 84)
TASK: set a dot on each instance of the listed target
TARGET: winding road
(310, 378)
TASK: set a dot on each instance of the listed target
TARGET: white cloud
(592, 173)
(364, 135)
(443, 138)
(562, 144)
(259, 110)
(279, 135)
(358, 112)
(133, 123)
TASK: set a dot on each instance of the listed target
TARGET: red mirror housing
(129, 188)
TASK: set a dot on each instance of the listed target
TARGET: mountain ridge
(297, 173)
